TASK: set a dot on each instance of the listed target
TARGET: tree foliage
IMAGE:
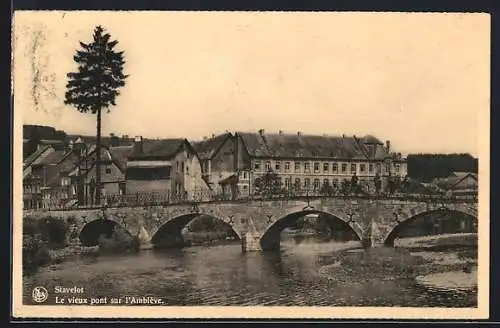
(345, 186)
(268, 184)
(327, 189)
(100, 74)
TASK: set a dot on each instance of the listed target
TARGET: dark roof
(53, 158)
(452, 181)
(65, 165)
(119, 155)
(33, 157)
(68, 163)
(303, 145)
(208, 148)
(165, 148)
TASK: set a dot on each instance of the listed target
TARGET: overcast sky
(420, 80)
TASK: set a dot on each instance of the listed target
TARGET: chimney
(299, 133)
(138, 144)
(343, 135)
(261, 132)
(388, 146)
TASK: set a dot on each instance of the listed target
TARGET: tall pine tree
(95, 86)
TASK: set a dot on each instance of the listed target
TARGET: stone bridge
(258, 223)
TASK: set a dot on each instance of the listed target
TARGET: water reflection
(305, 273)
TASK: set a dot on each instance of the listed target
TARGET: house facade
(170, 167)
(113, 167)
(32, 183)
(49, 183)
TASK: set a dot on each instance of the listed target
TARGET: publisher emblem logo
(39, 294)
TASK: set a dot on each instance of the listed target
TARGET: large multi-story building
(305, 163)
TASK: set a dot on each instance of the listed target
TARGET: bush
(49, 229)
(35, 253)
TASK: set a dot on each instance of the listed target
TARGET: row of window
(316, 184)
(326, 167)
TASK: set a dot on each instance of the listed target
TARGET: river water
(300, 274)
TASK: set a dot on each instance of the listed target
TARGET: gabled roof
(461, 174)
(119, 156)
(208, 148)
(86, 164)
(53, 158)
(35, 155)
(455, 179)
(303, 145)
(161, 148)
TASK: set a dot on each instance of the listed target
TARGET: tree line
(426, 167)
(271, 184)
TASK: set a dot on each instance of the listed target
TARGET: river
(306, 274)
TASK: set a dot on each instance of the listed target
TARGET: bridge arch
(270, 239)
(93, 230)
(169, 234)
(393, 233)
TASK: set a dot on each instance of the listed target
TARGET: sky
(419, 80)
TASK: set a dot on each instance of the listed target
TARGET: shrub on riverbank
(50, 230)
(35, 253)
(40, 236)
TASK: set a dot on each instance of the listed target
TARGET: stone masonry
(259, 222)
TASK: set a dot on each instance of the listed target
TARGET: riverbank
(446, 263)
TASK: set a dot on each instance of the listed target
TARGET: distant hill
(425, 167)
(42, 132)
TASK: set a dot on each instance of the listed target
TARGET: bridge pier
(250, 242)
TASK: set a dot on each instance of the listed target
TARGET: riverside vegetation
(51, 240)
